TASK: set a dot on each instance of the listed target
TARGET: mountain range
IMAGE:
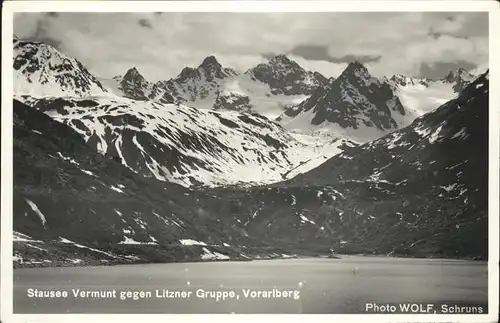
(127, 170)
(266, 89)
(355, 105)
(279, 89)
(422, 95)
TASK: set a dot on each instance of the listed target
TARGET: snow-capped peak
(41, 70)
(356, 105)
(133, 73)
(355, 65)
(211, 69)
(134, 85)
(210, 61)
(403, 80)
(283, 60)
(134, 77)
(357, 74)
(286, 77)
(279, 64)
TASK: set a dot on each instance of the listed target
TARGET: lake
(334, 286)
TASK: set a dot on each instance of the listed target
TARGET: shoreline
(338, 257)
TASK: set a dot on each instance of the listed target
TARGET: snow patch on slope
(225, 147)
(37, 211)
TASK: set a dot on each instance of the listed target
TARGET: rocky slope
(420, 191)
(185, 145)
(75, 207)
(355, 105)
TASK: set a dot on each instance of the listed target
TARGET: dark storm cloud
(320, 53)
(440, 69)
(145, 23)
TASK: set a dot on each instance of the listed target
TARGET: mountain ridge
(355, 103)
(101, 172)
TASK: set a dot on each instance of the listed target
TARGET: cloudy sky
(161, 44)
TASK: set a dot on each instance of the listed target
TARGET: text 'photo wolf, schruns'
(250, 162)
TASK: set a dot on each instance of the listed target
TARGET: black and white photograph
(251, 163)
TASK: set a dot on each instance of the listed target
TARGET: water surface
(325, 285)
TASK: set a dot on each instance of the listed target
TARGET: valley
(274, 162)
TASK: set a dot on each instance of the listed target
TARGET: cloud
(161, 44)
(360, 58)
(321, 53)
(328, 69)
(440, 69)
(269, 55)
(312, 52)
(39, 30)
(145, 23)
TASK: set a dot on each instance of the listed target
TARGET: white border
(10, 7)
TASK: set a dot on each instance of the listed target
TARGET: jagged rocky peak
(461, 73)
(403, 80)
(355, 104)
(132, 72)
(356, 65)
(285, 76)
(134, 85)
(460, 77)
(187, 72)
(358, 75)
(356, 69)
(282, 59)
(213, 69)
(211, 61)
(134, 76)
(281, 64)
(323, 78)
(210, 68)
